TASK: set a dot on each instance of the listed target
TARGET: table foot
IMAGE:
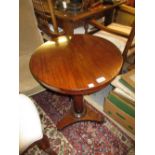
(90, 114)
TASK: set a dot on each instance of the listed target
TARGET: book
(121, 104)
(125, 83)
(119, 116)
(123, 98)
(116, 83)
(120, 92)
(129, 79)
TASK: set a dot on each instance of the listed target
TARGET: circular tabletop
(78, 64)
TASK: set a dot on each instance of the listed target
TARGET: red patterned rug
(87, 138)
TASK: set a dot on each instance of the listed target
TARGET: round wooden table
(76, 65)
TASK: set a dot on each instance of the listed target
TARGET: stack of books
(120, 103)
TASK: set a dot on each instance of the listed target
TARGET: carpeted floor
(82, 138)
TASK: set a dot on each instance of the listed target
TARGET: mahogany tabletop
(76, 65)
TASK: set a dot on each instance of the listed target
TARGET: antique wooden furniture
(70, 21)
(74, 65)
(47, 21)
(44, 11)
(121, 34)
(29, 116)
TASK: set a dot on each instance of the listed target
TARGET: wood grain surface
(78, 64)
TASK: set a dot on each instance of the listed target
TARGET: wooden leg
(86, 27)
(45, 145)
(108, 17)
(68, 28)
(78, 104)
(79, 112)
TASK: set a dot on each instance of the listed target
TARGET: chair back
(120, 27)
(125, 15)
(129, 42)
(44, 11)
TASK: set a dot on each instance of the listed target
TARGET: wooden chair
(121, 31)
(44, 11)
